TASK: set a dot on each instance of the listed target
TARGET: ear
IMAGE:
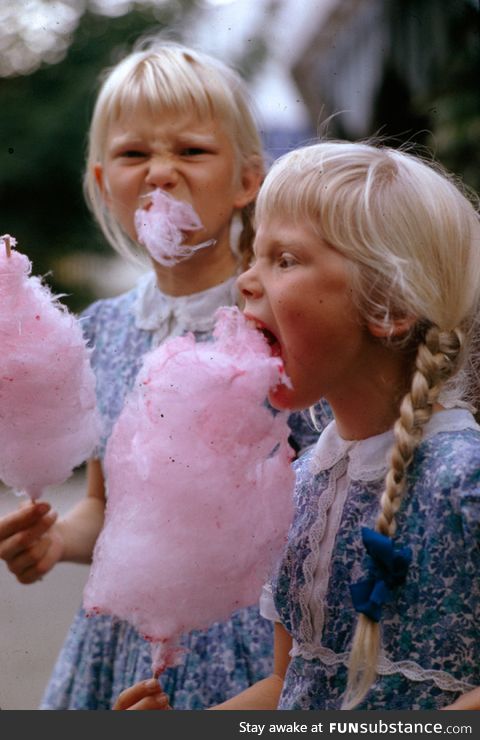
(392, 328)
(101, 183)
(250, 181)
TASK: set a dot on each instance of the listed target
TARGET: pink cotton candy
(161, 228)
(48, 418)
(199, 487)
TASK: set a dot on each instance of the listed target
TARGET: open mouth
(275, 347)
(146, 202)
(271, 339)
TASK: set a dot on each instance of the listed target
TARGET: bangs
(290, 189)
(337, 195)
(176, 86)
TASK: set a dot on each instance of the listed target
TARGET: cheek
(122, 193)
(122, 208)
(222, 181)
(300, 334)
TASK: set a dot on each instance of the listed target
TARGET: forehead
(283, 232)
(143, 124)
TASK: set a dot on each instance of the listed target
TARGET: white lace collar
(166, 315)
(368, 458)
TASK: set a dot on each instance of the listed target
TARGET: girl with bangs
(177, 123)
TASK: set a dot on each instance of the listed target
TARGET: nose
(249, 284)
(162, 173)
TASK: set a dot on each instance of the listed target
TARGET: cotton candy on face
(162, 225)
(48, 418)
(199, 487)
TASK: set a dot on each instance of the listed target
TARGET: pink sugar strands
(199, 488)
(163, 226)
(48, 418)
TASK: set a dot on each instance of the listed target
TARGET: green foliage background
(44, 116)
(44, 122)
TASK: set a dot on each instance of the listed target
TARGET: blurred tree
(454, 102)
(43, 126)
(429, 92)
(404, 69)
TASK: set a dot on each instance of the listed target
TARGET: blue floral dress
(102, 655)
(431, 628)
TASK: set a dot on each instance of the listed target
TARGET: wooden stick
(6, 240)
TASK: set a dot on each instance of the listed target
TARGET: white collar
(368, 459)
(172, 315)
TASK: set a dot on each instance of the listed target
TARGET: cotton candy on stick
(199, 487)
(164, 225)
(48, 417)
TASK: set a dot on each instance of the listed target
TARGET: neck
(205, 269)
(373, 405)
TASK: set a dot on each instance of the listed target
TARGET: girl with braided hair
(366, 281)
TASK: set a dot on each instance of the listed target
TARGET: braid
(437, 359)
(246, 237)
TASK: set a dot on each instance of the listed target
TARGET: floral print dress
(431, 627)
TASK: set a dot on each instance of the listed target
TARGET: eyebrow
(275, 244)
(200, 139)
(123, 139)
(133, 139)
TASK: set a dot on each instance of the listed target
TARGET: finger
(24, 539)
(137, 693)
(22, 518)
(157, 702)
(30, 575)
(29, 558)
(51, 557)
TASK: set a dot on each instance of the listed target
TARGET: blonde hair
(168, 78)
(413, 239)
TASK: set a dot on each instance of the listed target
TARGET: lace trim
(408, 668)
(367, 476)
(310, 563)
(357, 472)
(369, 458)
(195, 312)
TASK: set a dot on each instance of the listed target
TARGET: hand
(468, 701)
(29, 544)
(143, 695)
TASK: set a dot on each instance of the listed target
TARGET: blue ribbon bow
(387, 568)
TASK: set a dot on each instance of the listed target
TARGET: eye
(132, 154)
(286, 260)
(193, 151)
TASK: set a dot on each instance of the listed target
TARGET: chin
(283, 399)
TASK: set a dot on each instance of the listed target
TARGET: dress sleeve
(468, 505)
(460, 464)
(267, 605)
